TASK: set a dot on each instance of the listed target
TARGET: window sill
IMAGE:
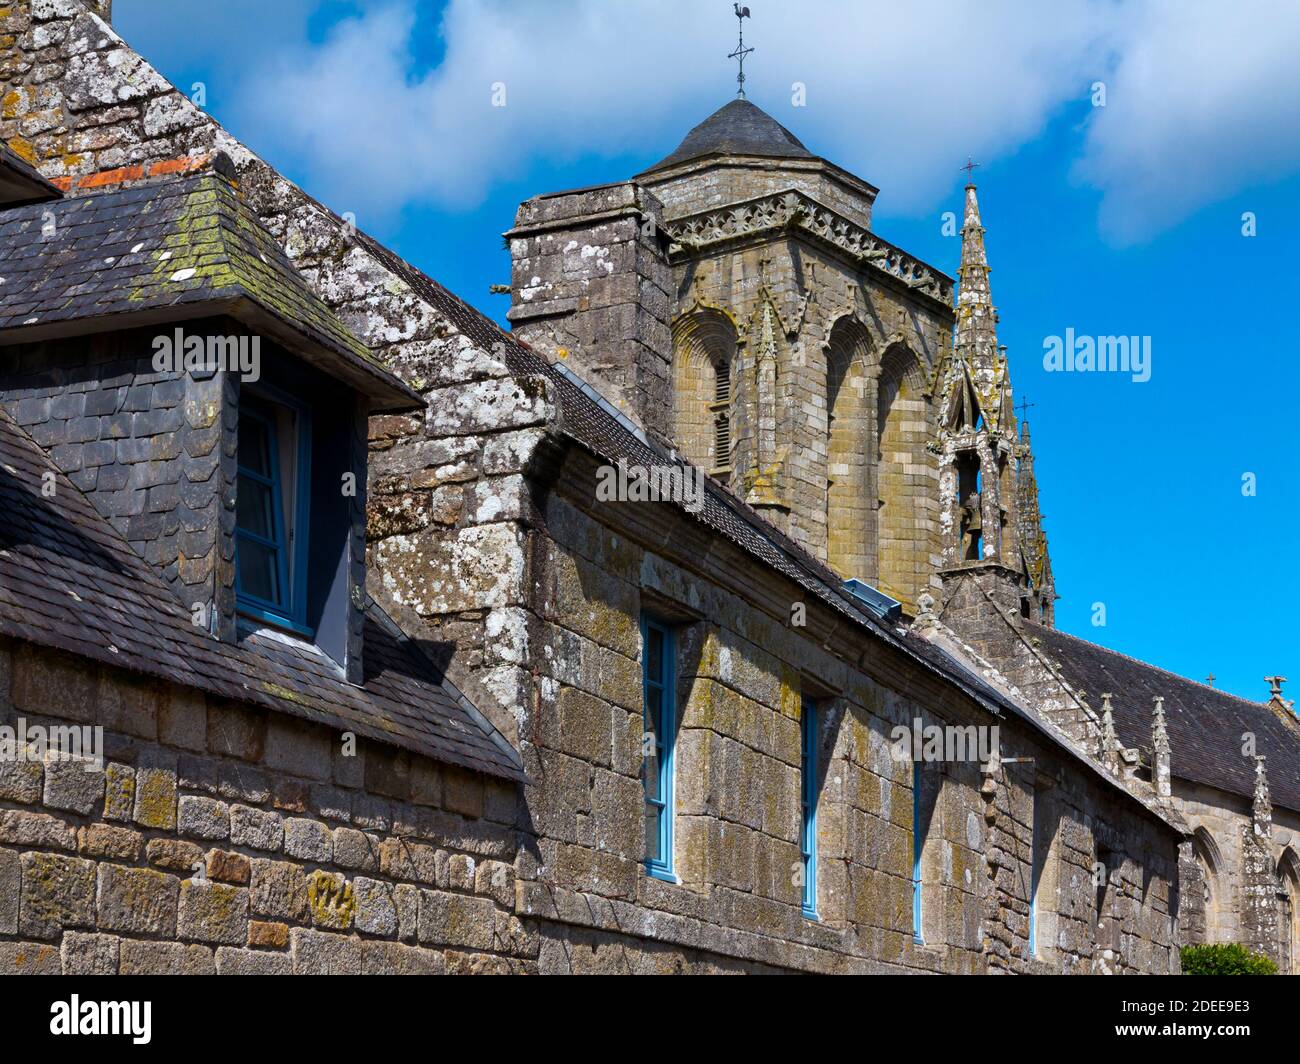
(664, 875)
(274, 621)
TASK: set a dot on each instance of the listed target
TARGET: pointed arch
(704, 372)
(962, 410)
(1288, 873)
(1210, 863)
(850, 429)
(907, 495)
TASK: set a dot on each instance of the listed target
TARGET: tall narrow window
(918, 844)
(721, 410)
(1104, 872)
(272, 503)
(808, 806)
(658, 699)
(1038, 843)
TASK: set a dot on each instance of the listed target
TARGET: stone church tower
(734, 301)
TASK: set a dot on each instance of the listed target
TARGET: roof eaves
(21, 184)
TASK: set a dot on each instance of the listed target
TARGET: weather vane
(741, 51)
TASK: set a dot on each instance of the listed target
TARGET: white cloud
(1201, 97)
(1203, 102)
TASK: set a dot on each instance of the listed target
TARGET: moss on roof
(170, 244)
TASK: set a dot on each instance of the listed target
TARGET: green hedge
(1225, 960)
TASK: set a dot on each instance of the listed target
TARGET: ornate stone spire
(1259, 877)
(1033, 539)
(1160, 750)
(977, 334)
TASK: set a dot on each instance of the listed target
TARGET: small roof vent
(884, 607)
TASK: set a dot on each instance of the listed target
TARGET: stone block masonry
(591, 284)
(185, 855)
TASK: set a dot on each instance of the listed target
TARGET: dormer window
(272, 510)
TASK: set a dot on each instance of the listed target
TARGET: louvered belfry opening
(721, 409)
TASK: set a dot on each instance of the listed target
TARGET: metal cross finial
(970, 168)
(1025, 405)
(741, 51)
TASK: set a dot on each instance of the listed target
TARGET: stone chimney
(592, 289)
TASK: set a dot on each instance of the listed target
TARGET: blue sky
(1123, 219)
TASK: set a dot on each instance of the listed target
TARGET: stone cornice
(794, 210)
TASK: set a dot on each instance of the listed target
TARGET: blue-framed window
(1040, 843)
(1034, 895)
(658, 655)
(918, 845)
(271, 512)
(808, 805)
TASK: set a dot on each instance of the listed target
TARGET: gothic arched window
(704, 353)
(1209, 863)
(1288, 868)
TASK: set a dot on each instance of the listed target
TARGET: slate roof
(20, 182)
(737, 128)
(599, 428)
(1205, 725)
(187, 246)
(69, 581)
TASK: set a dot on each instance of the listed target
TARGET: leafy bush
(1231, 959)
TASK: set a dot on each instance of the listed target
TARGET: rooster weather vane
(741, 51)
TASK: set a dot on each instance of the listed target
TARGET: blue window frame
(1039, 846)
(1033, 920)
(808, 805)
(658, 654)
(918, 842)
(271, 513)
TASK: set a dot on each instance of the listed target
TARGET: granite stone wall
(1231, 867)
(742, 672)
(219, 838)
